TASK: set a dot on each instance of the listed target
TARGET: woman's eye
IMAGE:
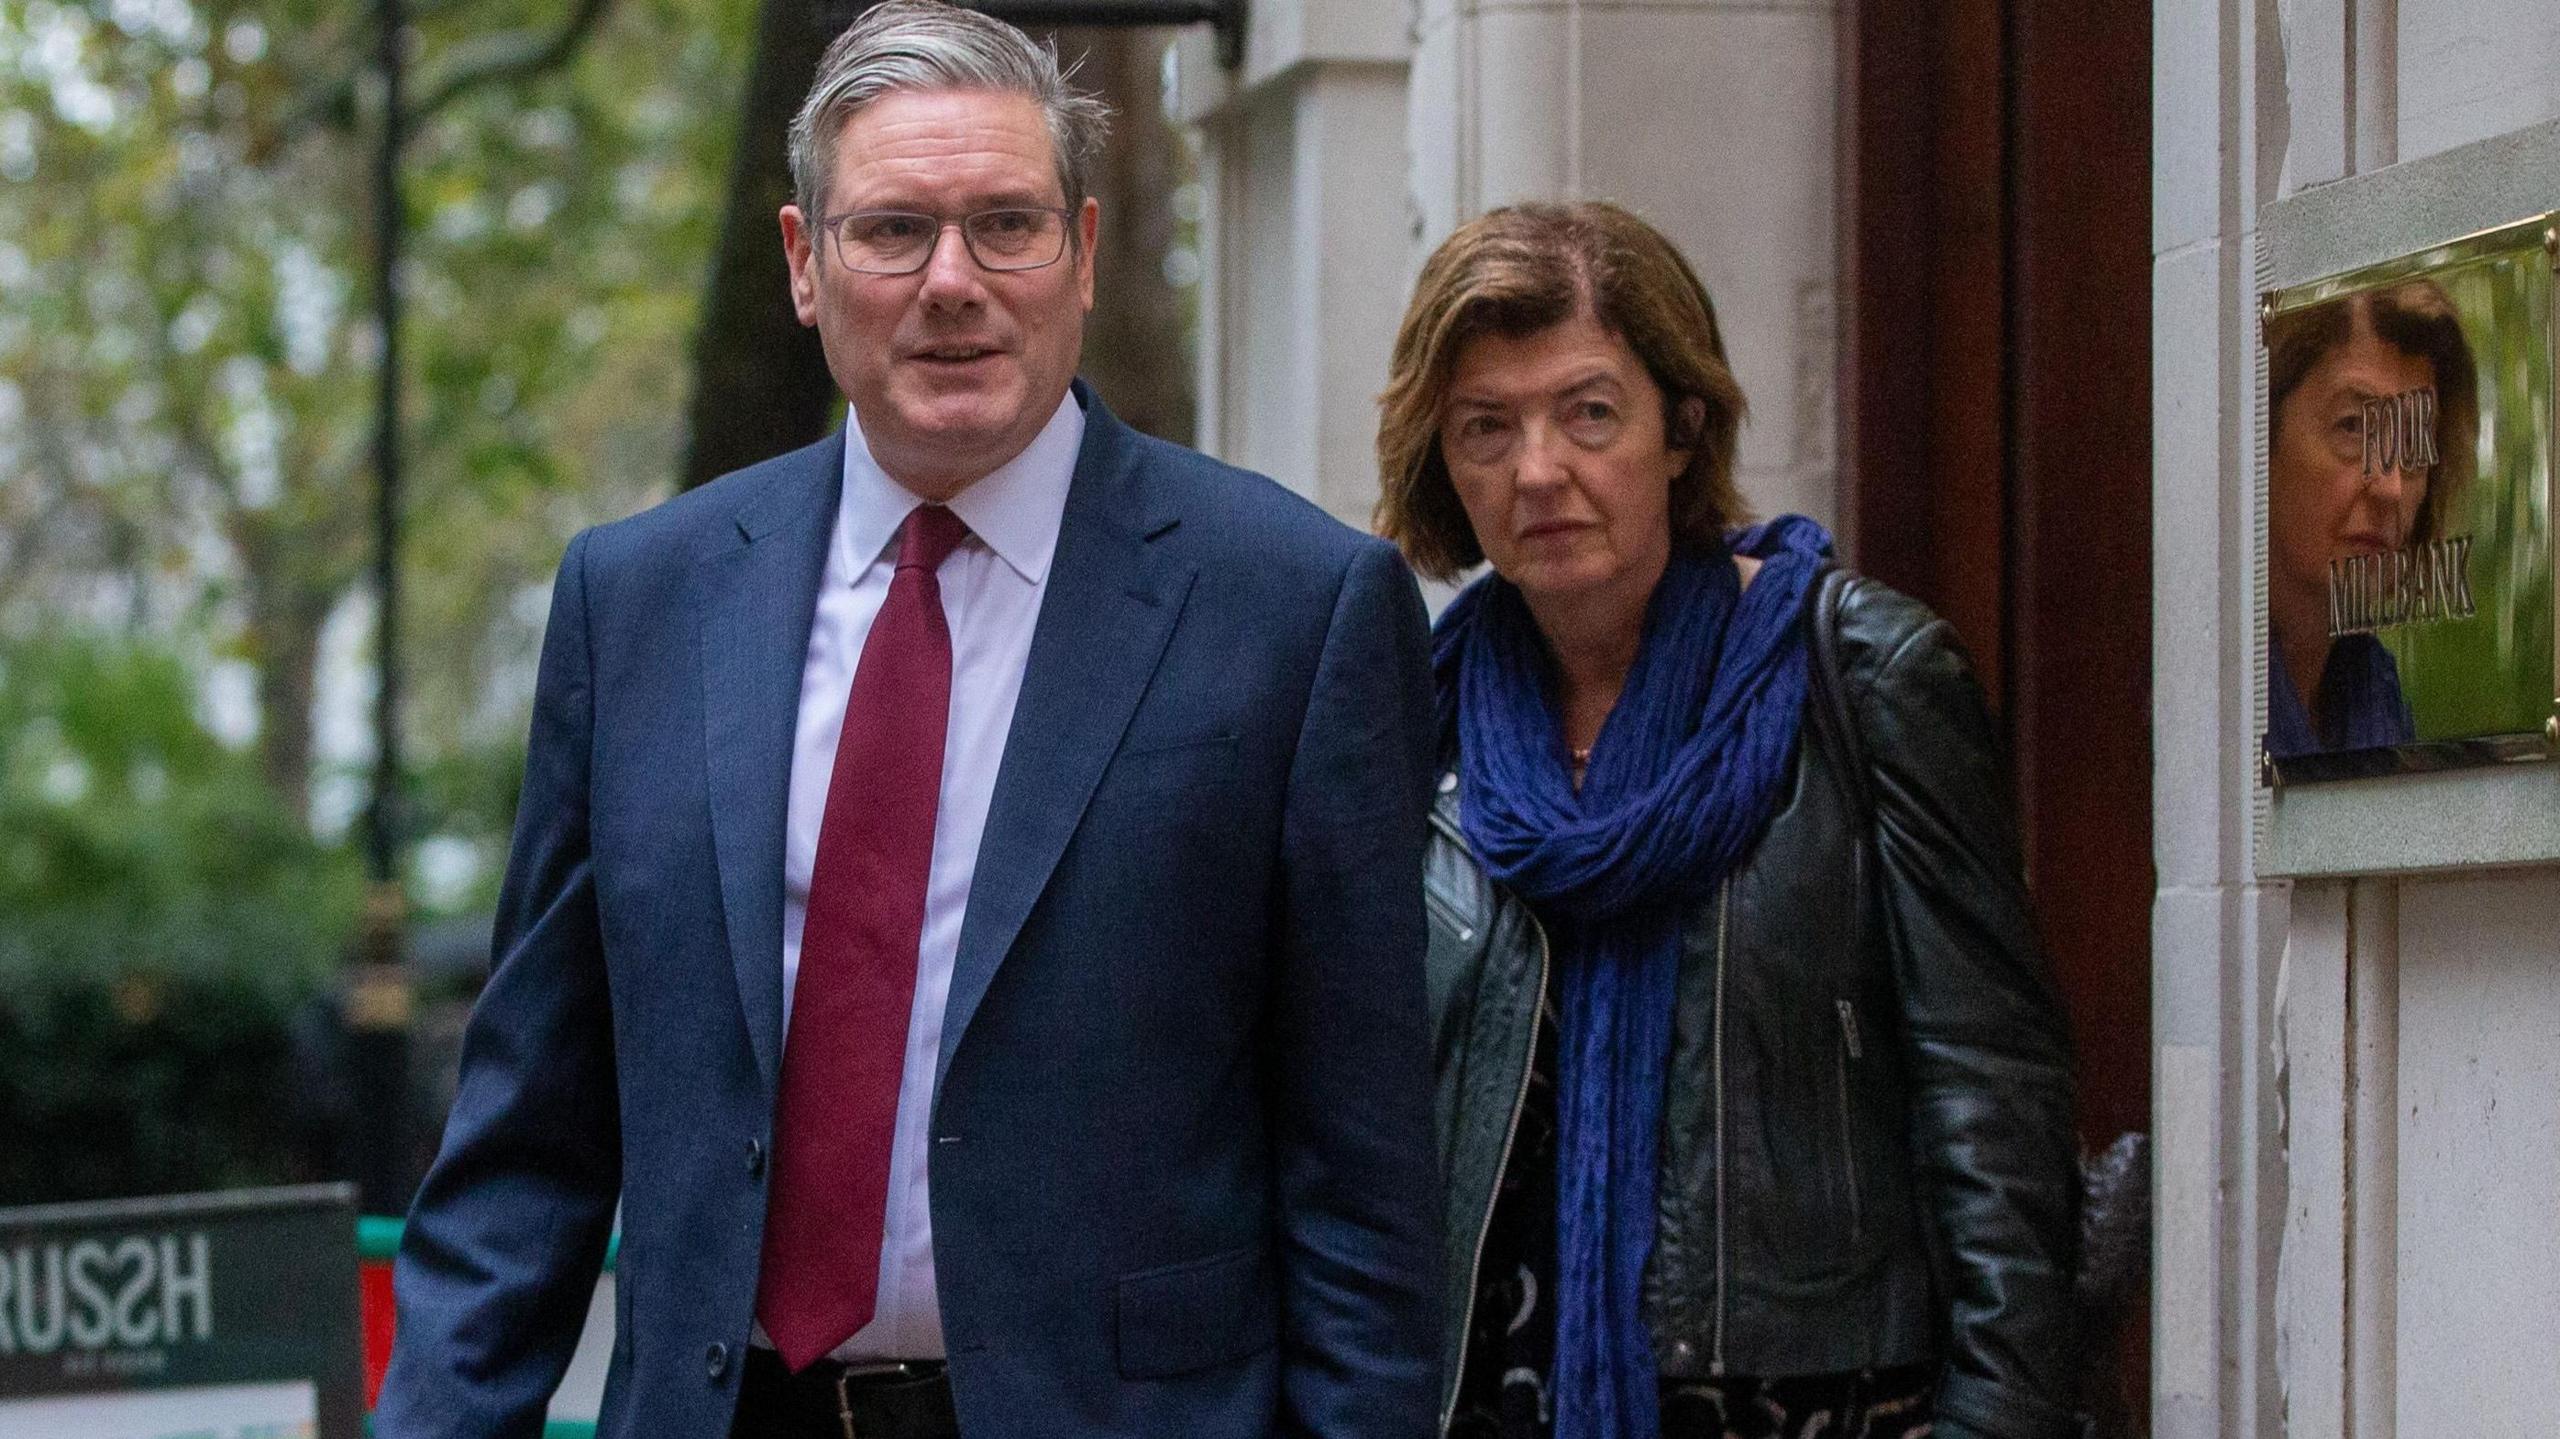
(1475, 426)
(1592, 421)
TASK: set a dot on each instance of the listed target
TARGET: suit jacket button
(715, 1362)
(1683, 1352)
(755, 1159)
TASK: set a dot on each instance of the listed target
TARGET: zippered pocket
(1446, 912)
(1851, 1050)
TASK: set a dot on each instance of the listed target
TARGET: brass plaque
(2409, 501)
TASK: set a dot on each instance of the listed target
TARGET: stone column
(1304, 239)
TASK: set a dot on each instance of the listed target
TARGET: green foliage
(162, 917)
(134, 844)
(187, 382)
(141, 1086)
(2492, 674)
(187, 352)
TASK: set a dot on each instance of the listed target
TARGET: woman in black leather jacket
(1754, 1093)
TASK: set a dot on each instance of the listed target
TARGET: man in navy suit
(965, 905)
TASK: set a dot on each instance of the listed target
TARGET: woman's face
(1555, 444)
(2321, 505)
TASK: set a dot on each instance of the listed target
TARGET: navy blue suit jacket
(1183, 1180)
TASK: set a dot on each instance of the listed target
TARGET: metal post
(383, 821)
(379, 999)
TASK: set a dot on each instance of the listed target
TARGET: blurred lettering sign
(223, 1316)
(2409, 501)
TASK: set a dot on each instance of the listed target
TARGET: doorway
(1996, 447)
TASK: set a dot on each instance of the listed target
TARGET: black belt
(902, 1400)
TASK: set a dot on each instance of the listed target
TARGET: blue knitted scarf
(1684, 776)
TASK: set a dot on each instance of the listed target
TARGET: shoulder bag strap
(1831, 706)
(1838, 723)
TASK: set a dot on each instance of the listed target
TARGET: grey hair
(932, 45)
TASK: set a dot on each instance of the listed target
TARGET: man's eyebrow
(1015, 199)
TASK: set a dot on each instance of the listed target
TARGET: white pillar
(2354, 1081)
(1304, 237)
(2219, 938)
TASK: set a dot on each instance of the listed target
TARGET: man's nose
(950, 271)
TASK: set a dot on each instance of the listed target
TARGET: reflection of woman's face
(2321, 505)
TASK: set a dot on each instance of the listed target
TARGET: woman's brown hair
(1519, 270)
(2415, 317)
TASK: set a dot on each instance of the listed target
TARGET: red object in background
(374, 1285)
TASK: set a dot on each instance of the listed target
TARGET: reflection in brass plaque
(2409, 506)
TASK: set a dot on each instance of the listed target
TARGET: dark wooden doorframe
(1925, 484)
(1995, 163)
(2080, 536)
(1996, 428)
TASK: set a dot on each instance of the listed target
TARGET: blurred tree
(162, 917)
(186, 381)
(760, 385)
(128, 834)
(185, 347)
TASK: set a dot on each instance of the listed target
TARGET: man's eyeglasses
(901, 242)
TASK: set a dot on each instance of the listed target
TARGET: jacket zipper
(1724, 932)
(1510, 1134)
(1850, 1049)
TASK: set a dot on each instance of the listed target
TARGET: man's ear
(800, 248)
(1088, 230)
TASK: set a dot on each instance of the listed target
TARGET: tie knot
(932, 533)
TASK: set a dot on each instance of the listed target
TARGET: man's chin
(952, 406)
(949, 435)
(961, 431)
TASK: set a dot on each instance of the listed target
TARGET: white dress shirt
(991, 589)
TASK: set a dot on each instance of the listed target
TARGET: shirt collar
(1014, 511)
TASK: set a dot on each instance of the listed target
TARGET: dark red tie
(841, 1065)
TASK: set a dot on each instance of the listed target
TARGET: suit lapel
(755, 593)
(1111, 604)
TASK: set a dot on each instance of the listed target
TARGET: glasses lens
(885, 241)
(1015, 239)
